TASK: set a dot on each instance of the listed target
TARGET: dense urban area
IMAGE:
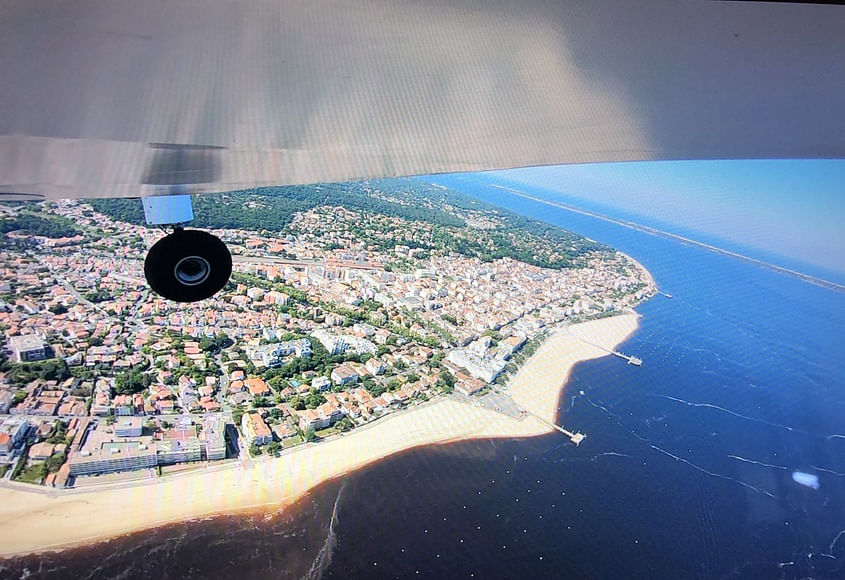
(347, 302)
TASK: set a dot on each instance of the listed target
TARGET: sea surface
(687, 470)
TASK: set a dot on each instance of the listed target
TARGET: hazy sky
(792, 208)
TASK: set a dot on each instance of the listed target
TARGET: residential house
(255, 430)
(257, 387)
(343, 374)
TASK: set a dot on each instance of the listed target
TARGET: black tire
(204, 263)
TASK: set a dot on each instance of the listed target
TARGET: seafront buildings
(324, 326)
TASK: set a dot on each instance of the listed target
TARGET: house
(309, 419)
(255, 430)
(186, 381)
(239, 398)
(284, 431)
(192, 348)
(379, 404)
(123, 405)
(28, 347)
(209, 405)
(321, 383)
(5, 401)
(330, 413)
(13, 430)
(41, 451)
(257, 387)
(469, 386)
(344, 374)
(375, 366)
(322, 417)
(73, 406)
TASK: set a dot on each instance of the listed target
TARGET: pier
(576, 437)
(632, 360)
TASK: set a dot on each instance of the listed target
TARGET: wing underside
(103, 98)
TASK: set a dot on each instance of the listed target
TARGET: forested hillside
(460, 223)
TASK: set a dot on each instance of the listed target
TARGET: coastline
(35, 522)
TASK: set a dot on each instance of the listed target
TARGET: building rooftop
(26, 342)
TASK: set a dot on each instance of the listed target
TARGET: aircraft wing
(102, 98)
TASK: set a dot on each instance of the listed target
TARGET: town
(339, 318)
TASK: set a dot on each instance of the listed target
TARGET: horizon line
(655, 231)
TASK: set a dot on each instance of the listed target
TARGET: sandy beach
(32, 521)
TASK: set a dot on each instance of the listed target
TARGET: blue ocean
(688, 471)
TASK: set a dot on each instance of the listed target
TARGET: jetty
(632, 360)
(576, 437)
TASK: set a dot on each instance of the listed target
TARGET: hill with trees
(452, 216)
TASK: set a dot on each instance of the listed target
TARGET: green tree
(133, 381)
(59, 433)
(274, 447)
(309, 435)
(276, 383)
(345, 424)
(54, 462)
(276, 413)
(314, 400)
(254, 449)
(54, 370)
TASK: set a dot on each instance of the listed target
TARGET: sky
(793, 208)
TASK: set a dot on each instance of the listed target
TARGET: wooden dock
(576, 437)
(632, 360)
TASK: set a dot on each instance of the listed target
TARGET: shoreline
(37, 522)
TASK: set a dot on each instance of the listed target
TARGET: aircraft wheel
(188, 266)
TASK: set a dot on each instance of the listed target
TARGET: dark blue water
(686, 471)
